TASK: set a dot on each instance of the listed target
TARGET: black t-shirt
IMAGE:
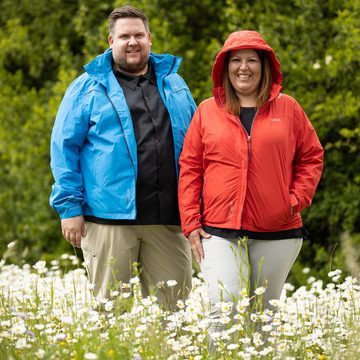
(247, 115)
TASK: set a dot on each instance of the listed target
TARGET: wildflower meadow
(48, 312)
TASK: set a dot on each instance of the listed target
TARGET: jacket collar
(101, 67)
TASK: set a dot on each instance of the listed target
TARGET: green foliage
(43, 48)
(37, 62)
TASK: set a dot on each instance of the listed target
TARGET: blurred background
(45, 43)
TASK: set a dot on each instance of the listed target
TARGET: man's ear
(110, 40)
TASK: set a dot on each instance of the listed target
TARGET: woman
(250, 164)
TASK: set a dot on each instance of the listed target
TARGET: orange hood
(245, 39)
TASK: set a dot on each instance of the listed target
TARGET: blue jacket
(93, 146)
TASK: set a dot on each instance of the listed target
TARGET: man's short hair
(127, 11)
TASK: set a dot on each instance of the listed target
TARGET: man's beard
(131, 68)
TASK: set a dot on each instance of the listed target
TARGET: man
(115, 146)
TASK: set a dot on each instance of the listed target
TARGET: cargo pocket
(88, 250)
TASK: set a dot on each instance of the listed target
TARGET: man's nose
(132, 41)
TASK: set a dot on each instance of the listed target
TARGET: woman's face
(245, 72)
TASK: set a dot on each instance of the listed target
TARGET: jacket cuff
(293, 200)
(187, 229)
(72, 212)
(294, 203)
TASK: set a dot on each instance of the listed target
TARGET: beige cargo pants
(161, 251)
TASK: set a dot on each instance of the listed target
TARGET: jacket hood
(245, 39)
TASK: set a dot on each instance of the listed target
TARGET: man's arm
(67, 139)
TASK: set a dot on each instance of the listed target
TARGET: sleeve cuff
(72, 212)
(189, 228)
(293, 200)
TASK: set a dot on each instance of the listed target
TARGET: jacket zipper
(168, 73)
(248, 145)
(166, 104)
(122, 129)
(249, 135)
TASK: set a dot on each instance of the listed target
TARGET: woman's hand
(195, 242)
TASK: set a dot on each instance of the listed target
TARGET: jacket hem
(111, 216)
(290, 226)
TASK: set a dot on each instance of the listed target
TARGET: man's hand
(195, 242)
(73, 229)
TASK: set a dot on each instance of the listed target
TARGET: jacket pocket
(271, 211)
(218, 200)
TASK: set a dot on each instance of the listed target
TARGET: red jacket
(231, 180)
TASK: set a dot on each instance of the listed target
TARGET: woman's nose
(243, 65)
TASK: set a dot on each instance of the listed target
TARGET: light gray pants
(258, 263)
(162, 252)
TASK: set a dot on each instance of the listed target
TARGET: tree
(43, 48)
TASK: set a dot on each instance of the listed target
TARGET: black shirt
(247, 115)
(156, 187)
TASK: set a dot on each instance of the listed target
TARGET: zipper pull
(249, 146)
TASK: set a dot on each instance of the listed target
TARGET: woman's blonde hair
(232, 101)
